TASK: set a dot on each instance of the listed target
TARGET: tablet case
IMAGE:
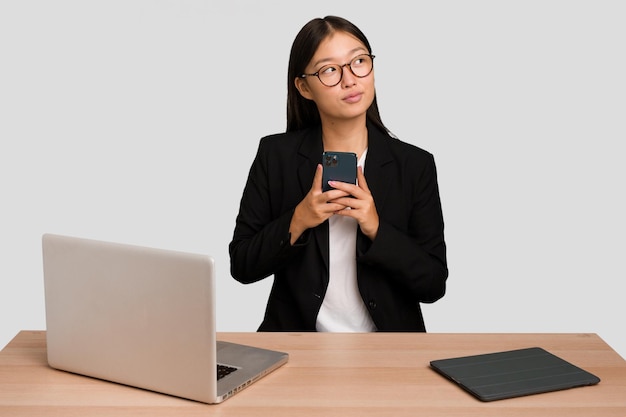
(514, 373)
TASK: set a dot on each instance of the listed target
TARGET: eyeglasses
(331, 75)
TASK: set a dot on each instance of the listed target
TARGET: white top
(343, 309)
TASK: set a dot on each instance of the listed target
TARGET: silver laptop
(142, 317)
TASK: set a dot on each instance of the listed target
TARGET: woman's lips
(353, 98)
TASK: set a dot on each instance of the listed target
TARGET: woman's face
(352, 96)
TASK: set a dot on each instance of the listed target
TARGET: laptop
(142, 317)
(514, 373)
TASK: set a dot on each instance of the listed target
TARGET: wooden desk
(378, 374)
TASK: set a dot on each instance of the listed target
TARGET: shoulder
(285, 138)
(292, 148)
(408, 149)
(405, 153)
(282, 142)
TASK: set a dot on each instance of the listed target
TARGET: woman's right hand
(315, 208)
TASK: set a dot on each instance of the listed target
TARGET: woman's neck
(345, 137)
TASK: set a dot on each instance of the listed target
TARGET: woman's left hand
(359, 205)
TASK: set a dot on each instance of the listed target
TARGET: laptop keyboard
(223, 370)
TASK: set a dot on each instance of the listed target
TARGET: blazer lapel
(309, 154)
(378, 165)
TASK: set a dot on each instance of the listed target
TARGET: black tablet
(514, 373)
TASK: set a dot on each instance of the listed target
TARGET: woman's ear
(303, 88)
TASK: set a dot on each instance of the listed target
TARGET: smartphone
(338, 166)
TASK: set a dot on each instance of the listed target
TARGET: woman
(358, 257)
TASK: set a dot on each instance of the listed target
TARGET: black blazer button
(372, 304)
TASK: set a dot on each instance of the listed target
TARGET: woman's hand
(358, 203)
(316, 207)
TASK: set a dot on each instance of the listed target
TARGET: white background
(137, 121)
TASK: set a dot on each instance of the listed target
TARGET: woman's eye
(358, 61)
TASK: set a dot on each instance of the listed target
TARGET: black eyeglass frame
(348, 64)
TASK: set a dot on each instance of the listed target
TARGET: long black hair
(302, 113)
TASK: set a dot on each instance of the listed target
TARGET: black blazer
(403, 266)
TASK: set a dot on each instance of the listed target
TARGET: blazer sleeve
(261, 241)
(413, 254)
